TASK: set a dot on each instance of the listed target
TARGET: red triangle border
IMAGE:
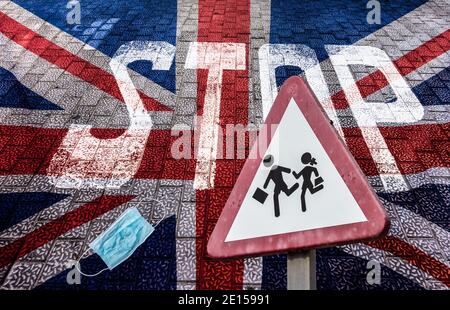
(377, 223)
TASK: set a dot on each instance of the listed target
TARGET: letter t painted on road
(215, 57)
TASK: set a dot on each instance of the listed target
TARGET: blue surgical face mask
(121, 239)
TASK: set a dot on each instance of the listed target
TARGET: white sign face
(295, 166)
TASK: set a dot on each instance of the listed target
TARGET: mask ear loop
(84, 274)
(96, 274)
(77, 265)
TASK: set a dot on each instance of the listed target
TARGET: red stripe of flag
(414, 256)
(221, 21)
(29, 150)
(52, 230)
(416, 148)
(64, 59)
(406, 64)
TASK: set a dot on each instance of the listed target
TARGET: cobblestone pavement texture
(62, 112)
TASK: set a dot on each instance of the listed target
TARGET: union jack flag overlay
(88, 111)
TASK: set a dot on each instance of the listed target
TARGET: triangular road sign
(300, 188)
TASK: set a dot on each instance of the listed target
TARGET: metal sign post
(301, 270)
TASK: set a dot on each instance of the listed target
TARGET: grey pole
(301, 270)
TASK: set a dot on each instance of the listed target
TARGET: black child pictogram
(276, 176)
(306, 173)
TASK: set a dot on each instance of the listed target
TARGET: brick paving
(46, 89)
